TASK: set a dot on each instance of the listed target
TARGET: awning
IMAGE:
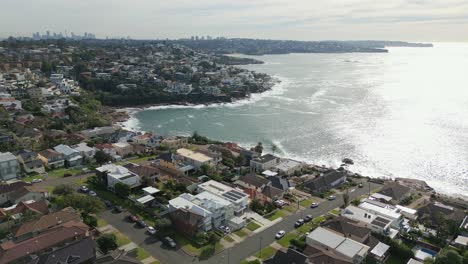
(145, 199)
(269, 173)
(150, 190)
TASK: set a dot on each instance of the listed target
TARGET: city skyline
(408, 20)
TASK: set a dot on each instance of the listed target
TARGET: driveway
(144, 240)
(238, 252)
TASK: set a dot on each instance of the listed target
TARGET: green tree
(449, 256)
(163, 223)
(63, 189)
(274, 148)
(102, 157)
(465, 257)
(89, 219)
(259, 148)
(107, 242)
(83, 203)
(122, 189)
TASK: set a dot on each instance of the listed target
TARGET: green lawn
(228, 239)
(286, 240)
(191, 248)
(121, 239)
(266, 253)
(135, 160)
(142, 254)
(291, 208)
(252, 226)
(276, 215)
(57, 173)
(335, 212)
(314, 223)
(31, 177)
(306, 203)
(240, 233)
(101, 222)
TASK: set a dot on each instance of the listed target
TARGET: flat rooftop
(197, 156)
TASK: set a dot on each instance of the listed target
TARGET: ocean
(397, 114)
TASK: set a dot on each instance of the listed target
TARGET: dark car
(108, 204)
(169, 242)
(133, 218)
(308, 218)
(141, 223)
(298, 224)
(118, 209)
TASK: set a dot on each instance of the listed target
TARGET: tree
(122, 189)
(259, 148)
(274, 148)
(163, 223)
(63, 189)
(107, 242)
(346, 198)
(89, 219)
(465, 257)
(83, 203)
(449, 256)
(102, 157)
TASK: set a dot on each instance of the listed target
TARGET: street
(237, 253)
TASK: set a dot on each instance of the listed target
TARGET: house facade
(72, 156)
(51, 158)
(9, 166)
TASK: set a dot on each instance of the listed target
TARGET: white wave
(219, 124)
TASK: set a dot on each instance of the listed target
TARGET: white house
(9, 166)
(113, 174)
(193, 158)
(85, 150)
(72, 156)
(376, 223)
(263, 163)
(326, 240)
(237, 197)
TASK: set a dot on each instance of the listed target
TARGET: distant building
(30, 162)
(193, 158)
(72, 156)
(237, 197)
(51, 158)
(326, 182)
(9, 167)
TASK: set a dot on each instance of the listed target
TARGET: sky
(407, 20)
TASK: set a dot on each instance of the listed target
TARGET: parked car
(225, 229)
(108, 204)
(67, 175)
(308, 218)
(280, 234)
(298, 223)
(169, 242)
(141, 223)
(331, 197)
(133, 218)
(36, 180)
(314, 205)
(118, 209)
(301, 220)
(360, 185)
(281, 203)
(151, 230)
(84, 189)
(92, 193)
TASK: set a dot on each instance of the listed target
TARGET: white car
(36, 180)
(92, 193)
(280, 234)
(151, 230)
(84, 189)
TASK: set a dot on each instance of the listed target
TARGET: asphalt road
(235, 254)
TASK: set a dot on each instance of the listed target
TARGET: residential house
(324, 242)
(395, 191)
(9, 216)
(237, 197)
(200, 218)
(30, 162)
(385, 210)
(193, 158)
(174, 142)
(72, 156)
(290, 256)
(326, 182)
(27, 193)
(51, 158)
(77, 252)
(380, 252)
(431, 213)
(373, 221)
(117, 257)
(263, 163)
(33, 228)
(106, 148)
(26, 250)
(123, 149)
(259, 188)
(148, 173)
(111, 174)
(349, 228)
(9, 167)
(85, 150)
(98, 131)
(288, 167)
(7, 189)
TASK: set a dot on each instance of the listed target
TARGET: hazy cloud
(413, 20)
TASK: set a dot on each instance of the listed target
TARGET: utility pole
(229, 254)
